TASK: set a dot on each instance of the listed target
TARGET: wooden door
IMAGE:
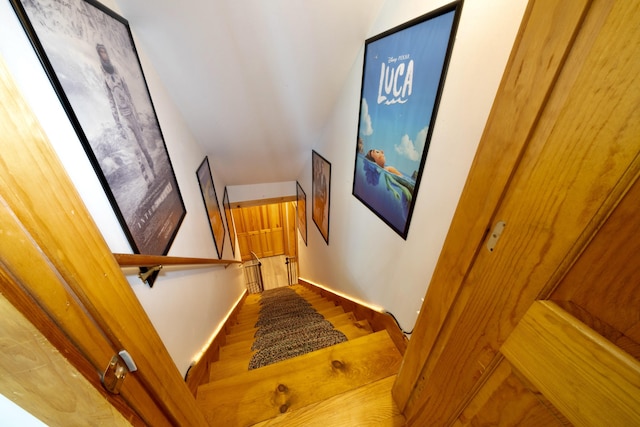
(541, 328)
(262, 230)
(58, 271)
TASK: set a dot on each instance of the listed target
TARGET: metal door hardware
(119, 366)
(495, 235)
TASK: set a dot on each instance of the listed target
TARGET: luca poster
(403, 76)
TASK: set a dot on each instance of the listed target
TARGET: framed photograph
(230, 224)
(402, 81)
(301, 209)
(88, 53)
(210, 199)
(321, 191)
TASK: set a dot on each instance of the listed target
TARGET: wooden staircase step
(245, 316)
(351, 330)
(327, 311)
(264, 393)
(249, 334)
(346, 323)
(369, 405)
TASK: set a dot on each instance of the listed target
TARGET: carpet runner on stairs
(288, 326)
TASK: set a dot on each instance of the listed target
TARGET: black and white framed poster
(88, 53)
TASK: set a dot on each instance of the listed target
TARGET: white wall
(187, 306)
(365, 258)
(261, 191)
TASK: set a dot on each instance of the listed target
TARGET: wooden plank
(591, 381)
(369, 405)
(286, 386)
(37, 377)
(529, 77)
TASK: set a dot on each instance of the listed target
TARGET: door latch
(115, 373)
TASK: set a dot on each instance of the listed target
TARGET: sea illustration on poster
(401, 82)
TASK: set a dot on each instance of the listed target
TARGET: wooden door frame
(544, 43)
(59, 272)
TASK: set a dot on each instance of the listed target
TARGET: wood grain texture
(538, 53)
(613, 257)
(504, 400)
(368, 406)
(580, 159)
(57, 224)
(138, 260)
(590, 380)
(37, 377)
(293, 384)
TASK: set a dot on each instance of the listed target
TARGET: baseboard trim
(198, 374)
(378, 321)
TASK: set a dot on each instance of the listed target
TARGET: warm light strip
(215, 333)
(357, 301)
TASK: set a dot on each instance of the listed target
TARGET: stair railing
(292, 269)
(253, 274)
(151, 264)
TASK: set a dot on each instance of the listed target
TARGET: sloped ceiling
(255, 80)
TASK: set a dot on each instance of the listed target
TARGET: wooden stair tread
(318, 304)
(328, 311)
(369, 405)
(264, 393)
(248, 334)
(351, 330)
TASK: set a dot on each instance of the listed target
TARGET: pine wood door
(542, 329)
(58, 271)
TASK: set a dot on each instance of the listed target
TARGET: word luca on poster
(396, 80)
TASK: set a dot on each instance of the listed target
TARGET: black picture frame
(230, 224)
(211, 205)
(89, 55)
(403, 77)
(321, 193)
(301, 211)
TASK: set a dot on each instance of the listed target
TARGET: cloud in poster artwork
(408, 149)
(366, 128)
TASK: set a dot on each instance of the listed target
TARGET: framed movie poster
(211, 205)
(230, 224)
(301, 209)
(402, 81)
(88, 53)
(321, 189)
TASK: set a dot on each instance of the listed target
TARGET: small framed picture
(210, 199)
(321, 169)
(301, 209)
(230, 224)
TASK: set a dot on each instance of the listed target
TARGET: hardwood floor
(344, 385)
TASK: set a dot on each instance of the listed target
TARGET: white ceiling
(255, 80)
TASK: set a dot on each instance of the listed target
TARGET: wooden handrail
(139, 260)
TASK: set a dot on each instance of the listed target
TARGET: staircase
(348, 384)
